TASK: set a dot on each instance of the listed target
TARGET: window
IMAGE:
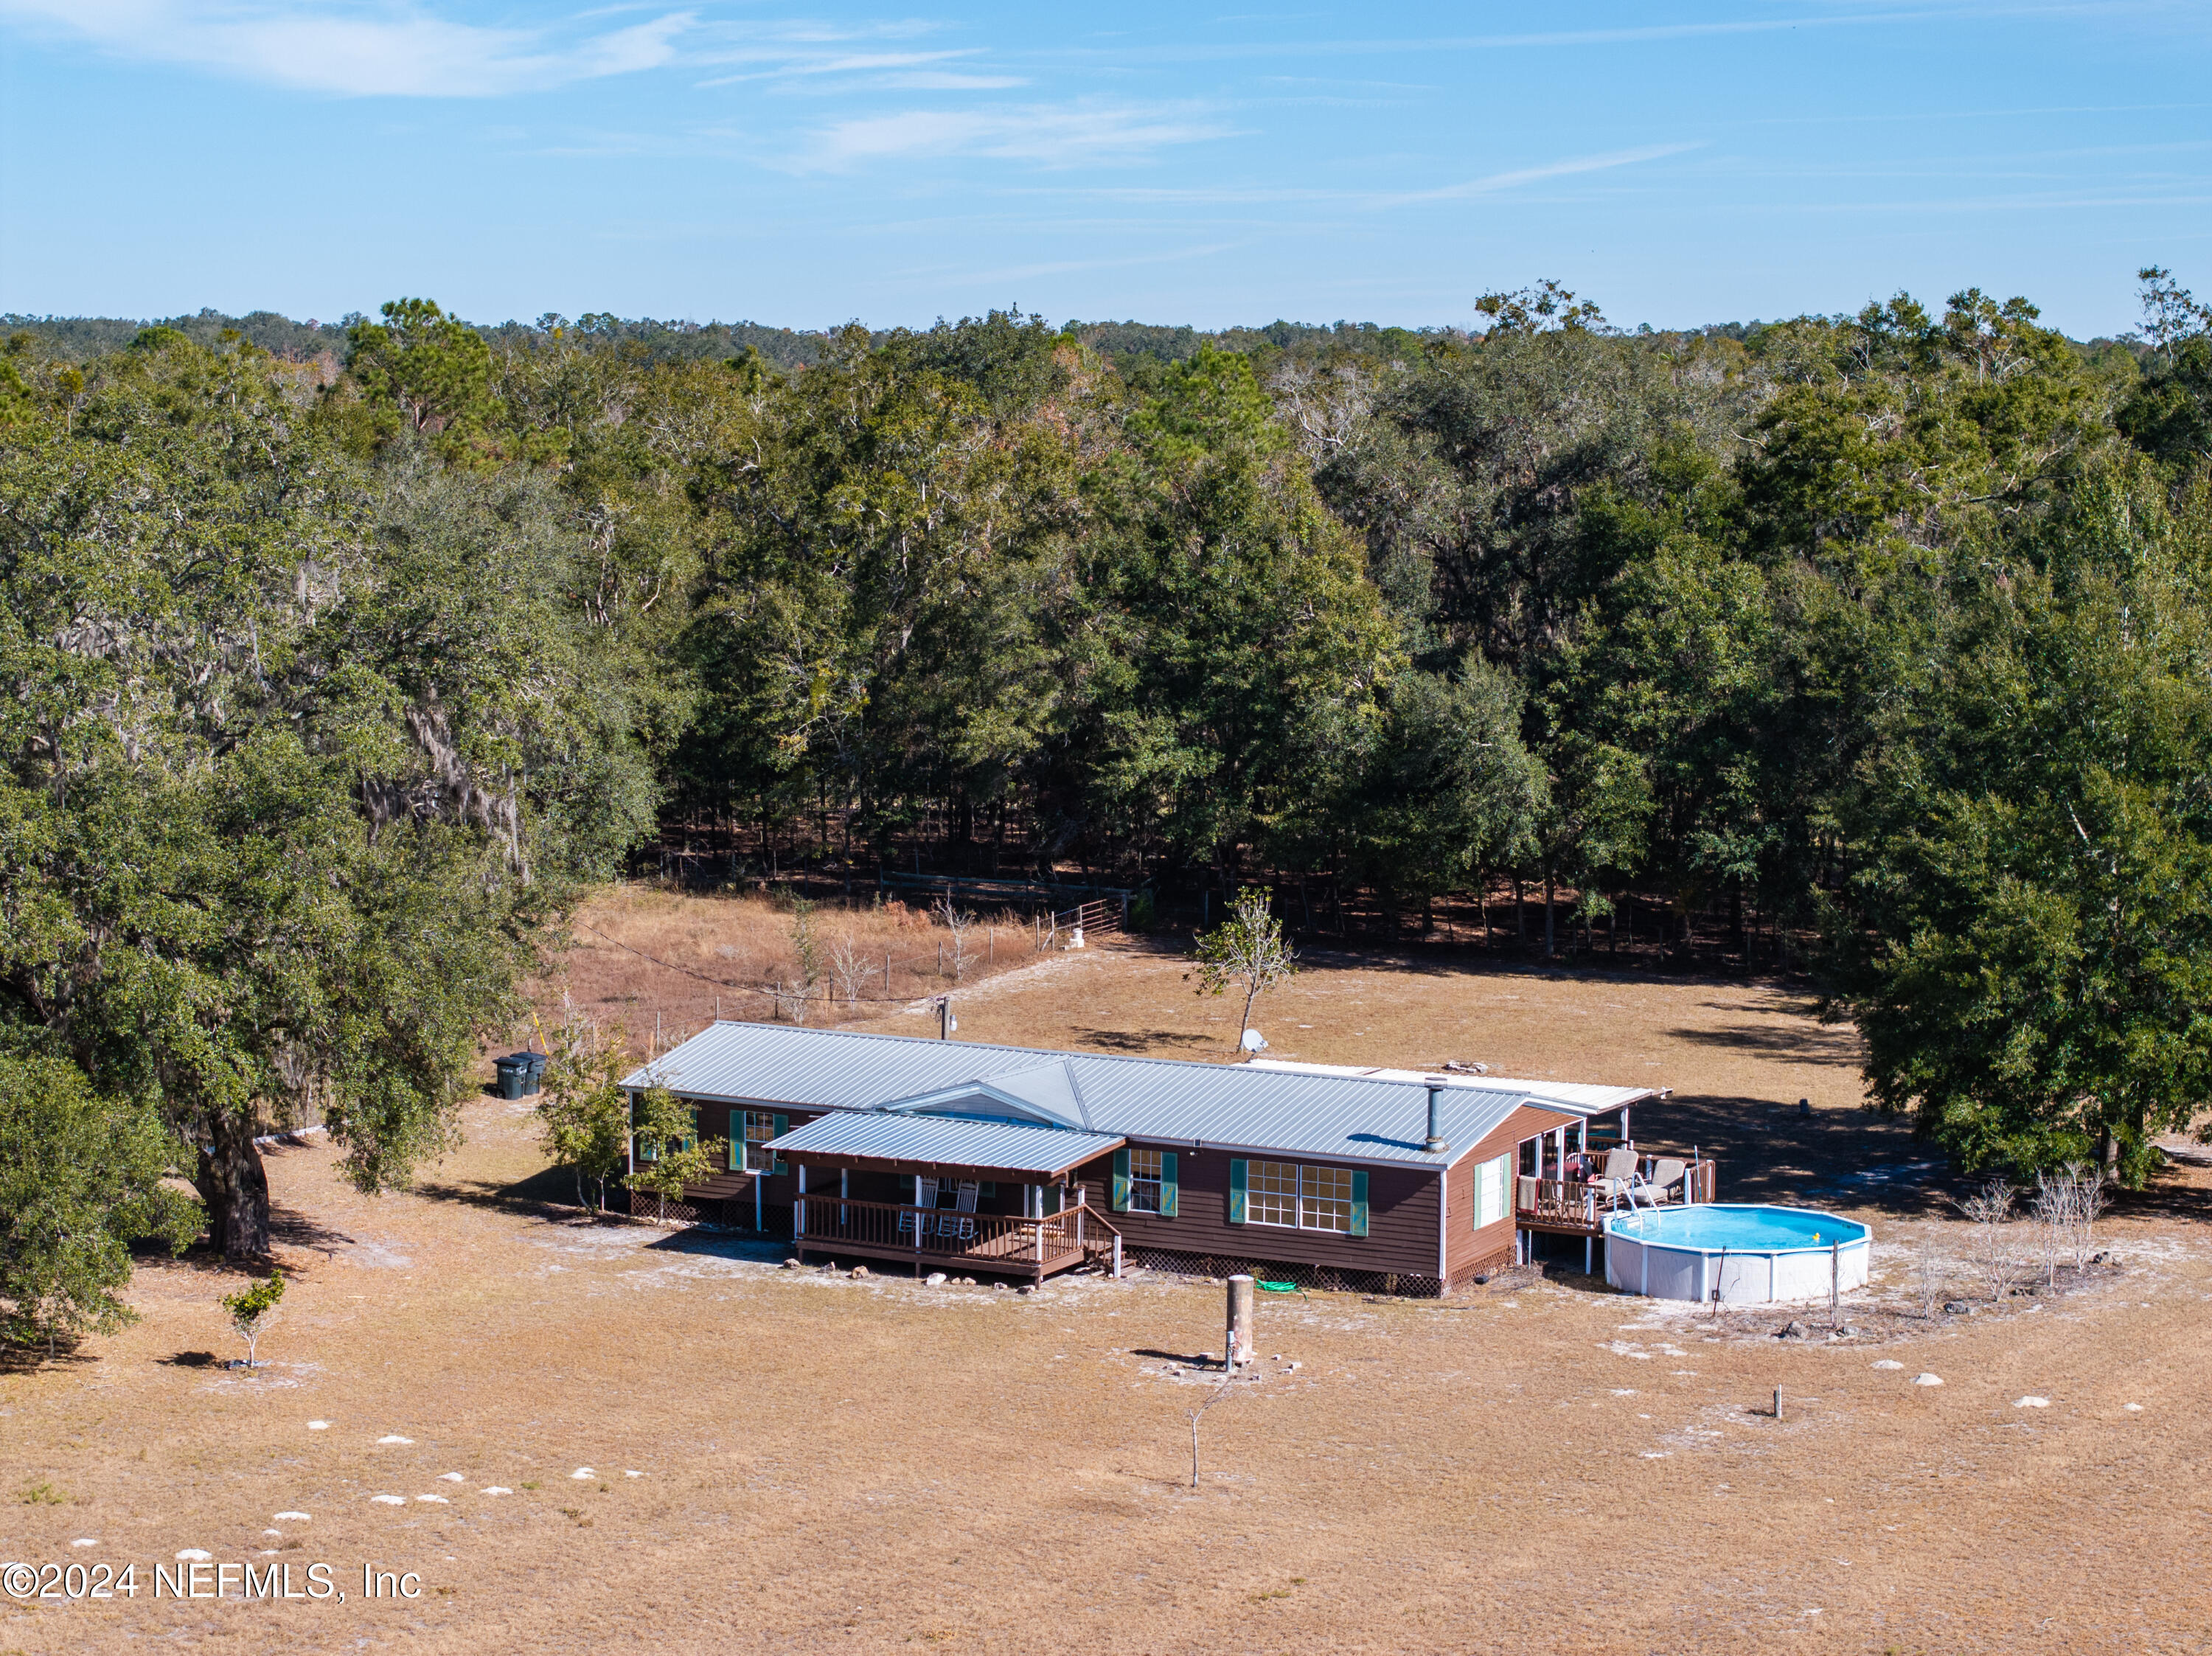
(1325, 1198)
(1144, 1181)
(761, 1126)
(1297, 1197)
(1271, 1194)
(1492, 1180)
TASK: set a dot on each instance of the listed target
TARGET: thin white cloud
(1494, 182)
(1048, 134)
(794, 67)
(373, 49)
(1232, 194)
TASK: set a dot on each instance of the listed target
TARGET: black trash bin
(533, 1070)
(513, 1075)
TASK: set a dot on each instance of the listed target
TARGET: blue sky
(1174, 163)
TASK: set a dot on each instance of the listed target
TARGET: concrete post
(1238, 1347)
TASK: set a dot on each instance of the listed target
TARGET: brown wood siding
(781, 1189)
(1401, 1216)
(1466, 1249)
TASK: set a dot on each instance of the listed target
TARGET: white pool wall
(1670, 1270)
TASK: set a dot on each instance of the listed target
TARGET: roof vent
(1435, 1145)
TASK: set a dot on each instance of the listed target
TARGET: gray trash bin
(513, 1075)
(533, 1070)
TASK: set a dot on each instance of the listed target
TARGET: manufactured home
(1005, 1161)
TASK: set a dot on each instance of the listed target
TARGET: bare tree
(2053, 1213)
(1327, 409)
(1990, 1213)
(849, 969)
(2089, 1200)
(1927, 1277)
(1198, 1414)
(962, 926)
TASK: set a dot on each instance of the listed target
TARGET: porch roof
(1014, 1148)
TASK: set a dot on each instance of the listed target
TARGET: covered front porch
(947, 1193)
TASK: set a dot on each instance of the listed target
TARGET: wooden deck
(938, 1239)
(1575, 1207)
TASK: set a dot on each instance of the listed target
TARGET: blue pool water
(1739, 1229)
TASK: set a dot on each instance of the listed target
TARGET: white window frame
(1147, 1173)
(1493, 1190)
(758, 1158)
(1302, 1216)
(1310, 1203)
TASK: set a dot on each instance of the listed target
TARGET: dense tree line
(329, 682)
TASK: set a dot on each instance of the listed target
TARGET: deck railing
(1584, 1203)
(989, 1239)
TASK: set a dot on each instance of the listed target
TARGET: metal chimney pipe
(1435, 1145)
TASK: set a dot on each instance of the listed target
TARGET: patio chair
(1619, 1174)
(1665, 1175)
(959, 1225)
(913, 1226)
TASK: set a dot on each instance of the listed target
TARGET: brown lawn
(829, 1462)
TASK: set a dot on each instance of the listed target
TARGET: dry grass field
(660, 965)
(699, 1451)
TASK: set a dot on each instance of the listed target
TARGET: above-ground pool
(1750, 1254)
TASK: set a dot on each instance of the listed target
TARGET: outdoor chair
(1665, 1175)
(960, 1225)
(914, 1227)
(1619, 1174)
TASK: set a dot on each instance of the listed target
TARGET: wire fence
(857, 982)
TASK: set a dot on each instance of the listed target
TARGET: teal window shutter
(1239, 1172)
(782, 1126)
(1121, 1181)
(1167, 1184)
(737, 1141)
(1358, 1203)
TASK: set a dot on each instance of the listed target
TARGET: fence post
(1117, 1257)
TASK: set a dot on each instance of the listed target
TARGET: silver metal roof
(1242, 1106)
(1000, 1146)
(1580, 1097)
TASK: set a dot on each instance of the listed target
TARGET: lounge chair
(1619, 1174)
(1665, 1175)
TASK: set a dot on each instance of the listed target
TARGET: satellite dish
(1253, 1041)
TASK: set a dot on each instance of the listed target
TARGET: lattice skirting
(734, 1214)
(1487, 1266)
(1328, 1278)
